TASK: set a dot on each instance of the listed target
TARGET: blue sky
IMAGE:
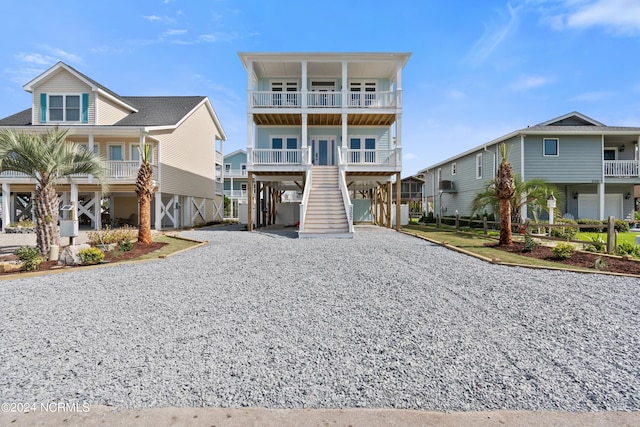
(478, 70)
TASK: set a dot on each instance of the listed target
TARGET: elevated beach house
(594, 166)
(327, 125)
(184, 131)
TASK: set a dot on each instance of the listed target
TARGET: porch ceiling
(278, 119)
(371, 119)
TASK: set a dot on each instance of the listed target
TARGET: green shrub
(563, 250)
(125, 245)
(597, 225)
(29, 257)
(529, 243)
(621, 226)
(628, 248)
(597, 245)
(116, 235)
(91, 255)
(566, 233)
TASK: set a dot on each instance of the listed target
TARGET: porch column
(176, 210)
(601, 200)
(398, 147)
(304, 133)
(345, 136)
(6, 209)
(97, 209)
(345, 84)
(398, 183)
(399, 85)
(250, 201)
(74, 200)
(90, 148)
(158, 210)
(304, 84)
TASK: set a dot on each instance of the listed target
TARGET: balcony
(262, 156)
(116, 171)
(620, 168)
(320, 100)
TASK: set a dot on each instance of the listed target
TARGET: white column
(97, 209)
(399, 84)
(601, 200)
(345, 83)
(345, 139)
(304, 88)
(158, 210)
(74, 201)
(6, 208)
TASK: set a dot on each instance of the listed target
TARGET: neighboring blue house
(594, 166)
(235, 181)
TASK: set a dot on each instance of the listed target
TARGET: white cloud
(457, 94)
(409, 156)
(156, 18)
(593, 96)
(174, 32)
(618, 16)
(493, 37)
(67, 56)
(525, 82)
(36, 58)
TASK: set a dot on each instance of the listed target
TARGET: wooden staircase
(325, 213)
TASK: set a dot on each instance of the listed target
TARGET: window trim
(544, 147)
(64, 96)
(614, 149)
(454, 168)
(133, 149)
(479, 166)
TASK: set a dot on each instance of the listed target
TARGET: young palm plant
(144, 190)
(505, 189)
(47, 158)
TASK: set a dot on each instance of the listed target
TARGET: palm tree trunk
(505, 222)
(46, 212)
(144, 229)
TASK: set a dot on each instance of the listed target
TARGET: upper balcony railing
(116, 170)
(276, 156)
(235, 173)
(291, 157)
(270, 99)
(621, 168)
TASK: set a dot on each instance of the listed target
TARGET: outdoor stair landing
(325, 216)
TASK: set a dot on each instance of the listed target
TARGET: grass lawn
(173, 245)
(475, 243)
(628, 237)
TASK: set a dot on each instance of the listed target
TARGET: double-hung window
(285, 149)
(363, 153)
(479, 166)
(550, 147)
(64, 108)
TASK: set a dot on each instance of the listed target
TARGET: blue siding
(236, 160)
(579, 159)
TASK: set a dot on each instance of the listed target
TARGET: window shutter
(85, 108)
(43, 108)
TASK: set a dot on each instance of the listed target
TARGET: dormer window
(64, 108)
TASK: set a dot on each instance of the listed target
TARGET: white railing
(236, 194)
(344, 189)
(235, 173)
(324, 99)
(305, 199)
(370, 157)
(620, 168)
(115, 170)
(270, 99)
(262, 156)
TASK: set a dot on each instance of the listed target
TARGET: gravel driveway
(267, 320)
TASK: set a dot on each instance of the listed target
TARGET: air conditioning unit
(447, 186)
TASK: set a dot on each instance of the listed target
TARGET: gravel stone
(264, 319)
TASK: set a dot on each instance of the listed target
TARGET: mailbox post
(69, 227)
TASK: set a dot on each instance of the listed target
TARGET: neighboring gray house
(594, 166)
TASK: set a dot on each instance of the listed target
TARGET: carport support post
(389, 204)
(250, 201)
(398, 188)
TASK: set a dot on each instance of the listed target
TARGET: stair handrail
(305, 199)
(342, 182)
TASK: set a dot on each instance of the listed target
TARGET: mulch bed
(577, 259)
(109, 256)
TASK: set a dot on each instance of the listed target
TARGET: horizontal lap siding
(187, 156)
(236, 160)
(109, 112)
(62, 82)
(579, 159)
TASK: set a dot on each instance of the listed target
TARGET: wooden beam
(388, 204)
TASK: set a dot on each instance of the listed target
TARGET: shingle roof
(23, 118)
(152, 111)
(587, 128)
(159, 110)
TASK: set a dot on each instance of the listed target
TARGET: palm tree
(532, 193)
(144, 190)
(47, 158)
(504, 192)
